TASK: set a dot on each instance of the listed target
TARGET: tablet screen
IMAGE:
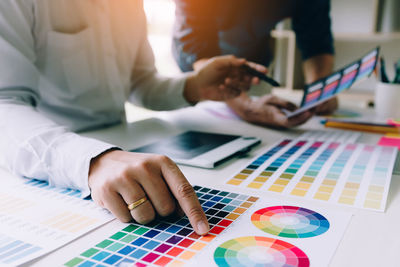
(187, 145)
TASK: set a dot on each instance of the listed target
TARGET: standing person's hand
(139, 186)
(328, 107)
(220, 78)
(267, 111)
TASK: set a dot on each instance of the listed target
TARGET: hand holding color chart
(325, 88)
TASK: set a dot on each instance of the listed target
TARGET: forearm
(33, 146)
(318, 67)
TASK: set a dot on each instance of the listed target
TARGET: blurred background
(358, 26)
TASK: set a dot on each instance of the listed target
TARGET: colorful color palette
(325, 88)
(259, 251)
(246, 172)
(171, 241)
(290, 221)
(330, 171)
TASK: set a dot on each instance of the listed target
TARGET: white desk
(371, 239)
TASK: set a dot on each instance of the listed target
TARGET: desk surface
(371, 238)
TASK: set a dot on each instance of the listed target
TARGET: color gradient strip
(329, 183)
(302, 187)
(13, 250)
(284, 179)
(353, 182)
(239, 178)
(275, 165)
(376, 189)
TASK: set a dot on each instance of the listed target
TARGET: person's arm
(312, 25)
(30, 144)
(35, 147)
(218, 78)
(195, 35)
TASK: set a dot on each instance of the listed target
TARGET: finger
(240, 83)
(255, 81)
(186, 197)
(258, 67)
(131, 192)
(300, 119)
(117, 206)
(276, 101)
(159, 194)
(229, 61)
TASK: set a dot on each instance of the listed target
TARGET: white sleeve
(30, 144)
(149, 89)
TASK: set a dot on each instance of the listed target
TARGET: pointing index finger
(186, 197)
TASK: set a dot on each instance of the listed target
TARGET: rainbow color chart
(259, 251)
(356, 175)
(290, 221)
(168, 242)
(36, 218)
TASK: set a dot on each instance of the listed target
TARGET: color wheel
(259, 251)
(290, 221)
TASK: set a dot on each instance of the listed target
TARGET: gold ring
(136, 204)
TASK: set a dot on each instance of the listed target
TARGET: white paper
(356, 175)
(319, 249)
(36, 218)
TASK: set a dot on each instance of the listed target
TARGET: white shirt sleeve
(30, 144)
(149, 89)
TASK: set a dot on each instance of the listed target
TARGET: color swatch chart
(36, 218)
(169, 242)
(325, 88)
(356, 175)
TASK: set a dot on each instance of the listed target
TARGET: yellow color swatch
(254, 185)
(347, 200)
(276, 188)
(372, 204)
(299, 192)
(234, 182)
(322, 196)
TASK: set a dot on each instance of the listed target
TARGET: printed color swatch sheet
(343, 173)
(170, 242)
(36, 218)
(245, 231)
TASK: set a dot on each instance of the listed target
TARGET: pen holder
(387, 100)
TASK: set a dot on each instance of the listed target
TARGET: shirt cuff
(74, 154)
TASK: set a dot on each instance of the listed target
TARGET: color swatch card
(326, 88)
(355, 175)
(169, 242)
(244, 230)
(36, 218)
(273, 233)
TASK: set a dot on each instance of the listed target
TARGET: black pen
(260, 75)
(384, 77)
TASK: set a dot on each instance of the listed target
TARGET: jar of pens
(387, 93)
